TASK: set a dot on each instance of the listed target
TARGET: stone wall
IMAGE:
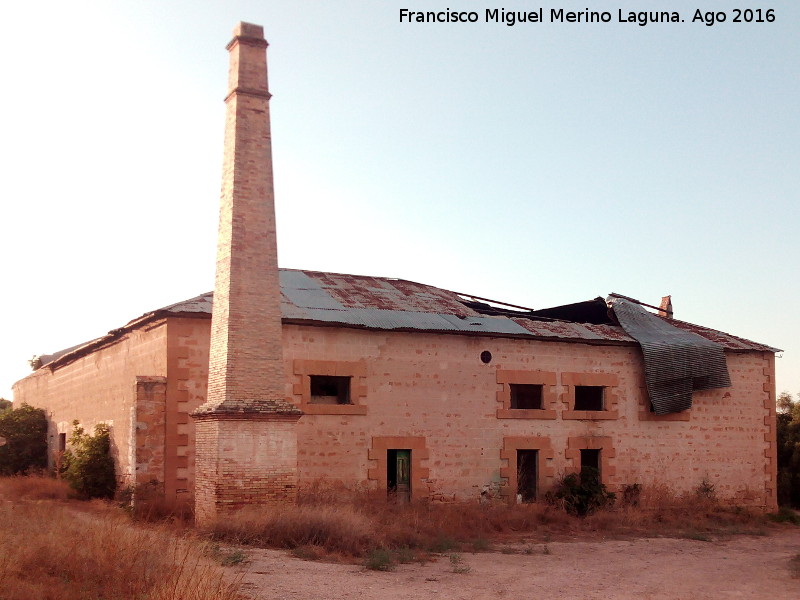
(101, 387)
(436, 388)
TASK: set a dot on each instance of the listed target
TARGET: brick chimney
(665, 308)
(246, 443)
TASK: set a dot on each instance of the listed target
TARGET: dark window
(62, 442)
(526, 396)
(330, 389)
(527, 464)
(590, 464)
(588, 397)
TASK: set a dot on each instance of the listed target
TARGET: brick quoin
(245, 432)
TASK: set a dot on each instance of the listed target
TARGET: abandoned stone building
(282, 378)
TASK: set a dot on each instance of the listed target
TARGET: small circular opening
(486, 357)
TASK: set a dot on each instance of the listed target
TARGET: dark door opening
(398, 474)
(527, 467)
(590, 465)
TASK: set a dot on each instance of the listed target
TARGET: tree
(788, 450)
(784, 403)
(87, 463)
(5, 404)
(25, 432)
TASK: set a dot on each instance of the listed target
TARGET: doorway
(590, 466)
(527, 475)
(398, 474)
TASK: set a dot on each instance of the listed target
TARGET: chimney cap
(248, 30)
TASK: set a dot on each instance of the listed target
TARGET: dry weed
(356, 523)
(55, 551)
(338, 528)
(33, 487)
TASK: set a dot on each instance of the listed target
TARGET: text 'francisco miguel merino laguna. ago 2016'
(559, 15)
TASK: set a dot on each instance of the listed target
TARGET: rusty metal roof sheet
(726, 340)
(356, 291)
(574, 331)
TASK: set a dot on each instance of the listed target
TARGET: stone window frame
(419, 452)
(356, 370)
(545, 473)
(547, 379)
(610, 383)
(592, 442)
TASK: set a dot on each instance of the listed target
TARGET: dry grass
(660, 511)
(33, 487)
(341, 528)
(74, 551)
(356, 523)
(56, 548)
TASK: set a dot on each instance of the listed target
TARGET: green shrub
(457, 564)
(25, 433)
(581, 494)
(380, 559)
(87, 464)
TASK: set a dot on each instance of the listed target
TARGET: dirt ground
(657, 568)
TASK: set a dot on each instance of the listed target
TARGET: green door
(398, 474)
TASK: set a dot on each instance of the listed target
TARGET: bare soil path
(753, 567)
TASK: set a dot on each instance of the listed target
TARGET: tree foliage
(87, 463)
(5, 404)
(788, 450)
(25, 432)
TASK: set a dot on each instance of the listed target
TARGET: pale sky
(539, 164)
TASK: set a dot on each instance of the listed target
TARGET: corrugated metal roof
(677, 362)
(392, 304)
(356, 291)
(726, 340)
(396, 304)
(198, 304)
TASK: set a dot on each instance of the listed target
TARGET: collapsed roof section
(676, 362)
(380, 303)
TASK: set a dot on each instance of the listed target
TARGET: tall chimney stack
(246, 441)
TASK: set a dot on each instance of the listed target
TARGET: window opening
(526, 396)
(330, 389)
(62, 442)
(589, 397)
(398, 474)
(527, 475)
